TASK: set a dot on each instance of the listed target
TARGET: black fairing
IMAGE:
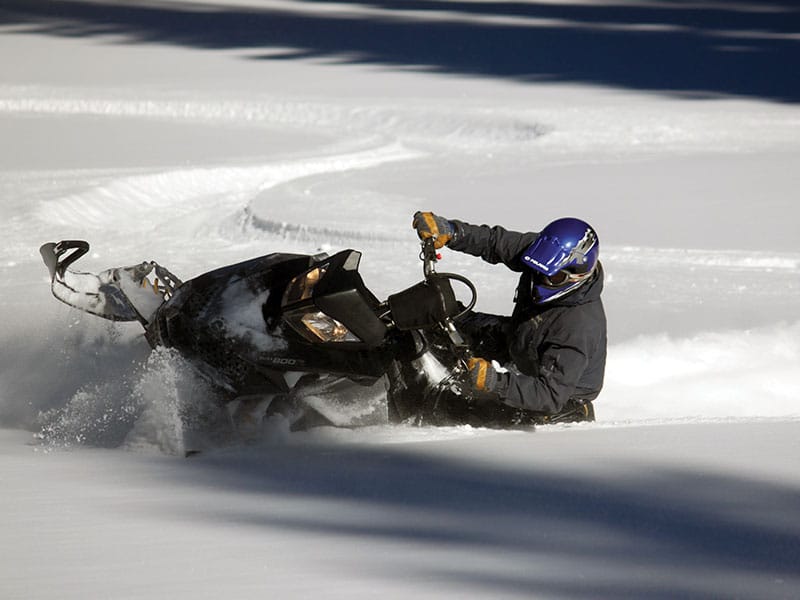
(424, 305)
(232, 319)
(341, 294)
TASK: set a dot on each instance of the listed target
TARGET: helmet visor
(546, 255)
(549, 255)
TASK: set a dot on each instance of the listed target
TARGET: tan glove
(482, 374)
(429, 225)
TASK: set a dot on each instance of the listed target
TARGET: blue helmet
(563, 257)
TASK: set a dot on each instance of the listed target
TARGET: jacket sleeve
(492, 244)
(562, 361)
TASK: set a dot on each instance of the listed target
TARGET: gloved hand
(482, 375)
(429, 225)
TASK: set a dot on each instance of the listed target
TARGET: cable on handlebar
(471, 287)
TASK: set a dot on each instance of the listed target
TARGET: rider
(553, 346)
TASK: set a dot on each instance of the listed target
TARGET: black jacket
(558, 349)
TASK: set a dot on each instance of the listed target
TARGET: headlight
(327, 329)
(302, 287)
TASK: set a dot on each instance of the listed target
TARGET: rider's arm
(549, 390)
(492, 244)
(551, 358)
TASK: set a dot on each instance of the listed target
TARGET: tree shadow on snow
(660, 534)
(673, 46)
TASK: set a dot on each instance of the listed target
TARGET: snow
(197, 134)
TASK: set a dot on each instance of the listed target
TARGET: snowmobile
(281, 329)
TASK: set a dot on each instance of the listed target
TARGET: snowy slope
(198, 134)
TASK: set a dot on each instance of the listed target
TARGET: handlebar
(429, 258)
